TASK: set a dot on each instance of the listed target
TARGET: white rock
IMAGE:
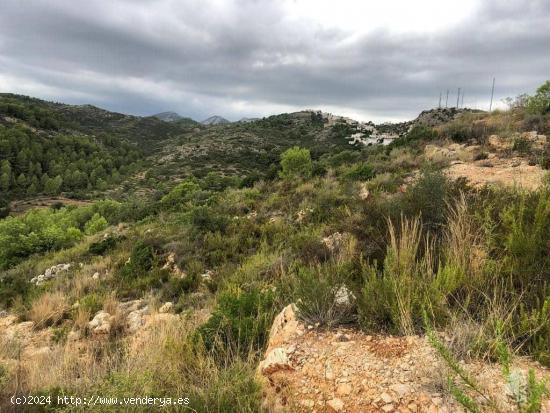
(386, 398)
(95, 276)
(276, 360)
(134, 321)
(343, 296)
(101, 323)
(335, 405)
(166, 307)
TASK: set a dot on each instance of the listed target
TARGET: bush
(360, 172)
(394, 299)
(540, 102)
(416, 134)
(322, 296)
(95, 224)
(522, 145)
(240, 323)
(180, 194)
(428, 197)
(206, 219)
(296, 163)
(11, 287)
(106, 244)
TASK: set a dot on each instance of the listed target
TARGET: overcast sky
(372, 60)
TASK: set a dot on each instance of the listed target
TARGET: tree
(5, 175)
(296, 162)
(95, 224)
(53, 185)
(22, 181)
(540, 103)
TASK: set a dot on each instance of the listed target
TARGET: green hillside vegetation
(280, 211)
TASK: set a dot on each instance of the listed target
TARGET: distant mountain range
(173, 117)
(215, 120)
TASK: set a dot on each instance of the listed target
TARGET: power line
(492, 94)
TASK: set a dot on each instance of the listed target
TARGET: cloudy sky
(378, 60)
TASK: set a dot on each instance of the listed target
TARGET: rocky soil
(496, 163)
(306, 370)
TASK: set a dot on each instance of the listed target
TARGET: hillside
(303, 262)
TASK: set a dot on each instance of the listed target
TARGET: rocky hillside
(276, 265)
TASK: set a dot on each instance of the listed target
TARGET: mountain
(225, 260)
(168, 116)
(246, 120)
(215, 120)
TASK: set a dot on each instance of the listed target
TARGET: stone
(335, 405)
(343, 389)
(134, 321)
(166, 307)
(401, 389)
(388, 408)
(343, 297)
(95, 276)
(100, 324)
(308, 403)
(284, 326)
(276, 360)
(207, 276)
(386, 398)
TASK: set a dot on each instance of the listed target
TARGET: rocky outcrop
(50, 273)
(344, 370)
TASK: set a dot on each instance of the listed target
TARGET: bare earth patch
(507, 172)
(305, 370)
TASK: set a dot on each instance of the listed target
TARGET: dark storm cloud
(248, 57)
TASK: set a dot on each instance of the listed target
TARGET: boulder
(276, 360)
(101, 323)
(166, 307)
(335, 405)
(284, 327)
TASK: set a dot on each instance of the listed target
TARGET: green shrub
(296, 163)
(206, 219)
(428, 197)
(360, 172)
(91, 302)
(180, 194)
(526, 225)
(176, 287)
(95, 224)
(322, 295)
(240, 323)
(394, 299)
(522, 145)
(106, 244)
(418, 133)
(540, 102)
(11, 287)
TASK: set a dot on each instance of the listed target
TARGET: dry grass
(401, 268)
(81, 319)
(49, 309)
(118, 321)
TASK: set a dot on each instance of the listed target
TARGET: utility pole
(447, 99)
(457, 98)
(439, 105)
(492, 94)
(462, 100)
